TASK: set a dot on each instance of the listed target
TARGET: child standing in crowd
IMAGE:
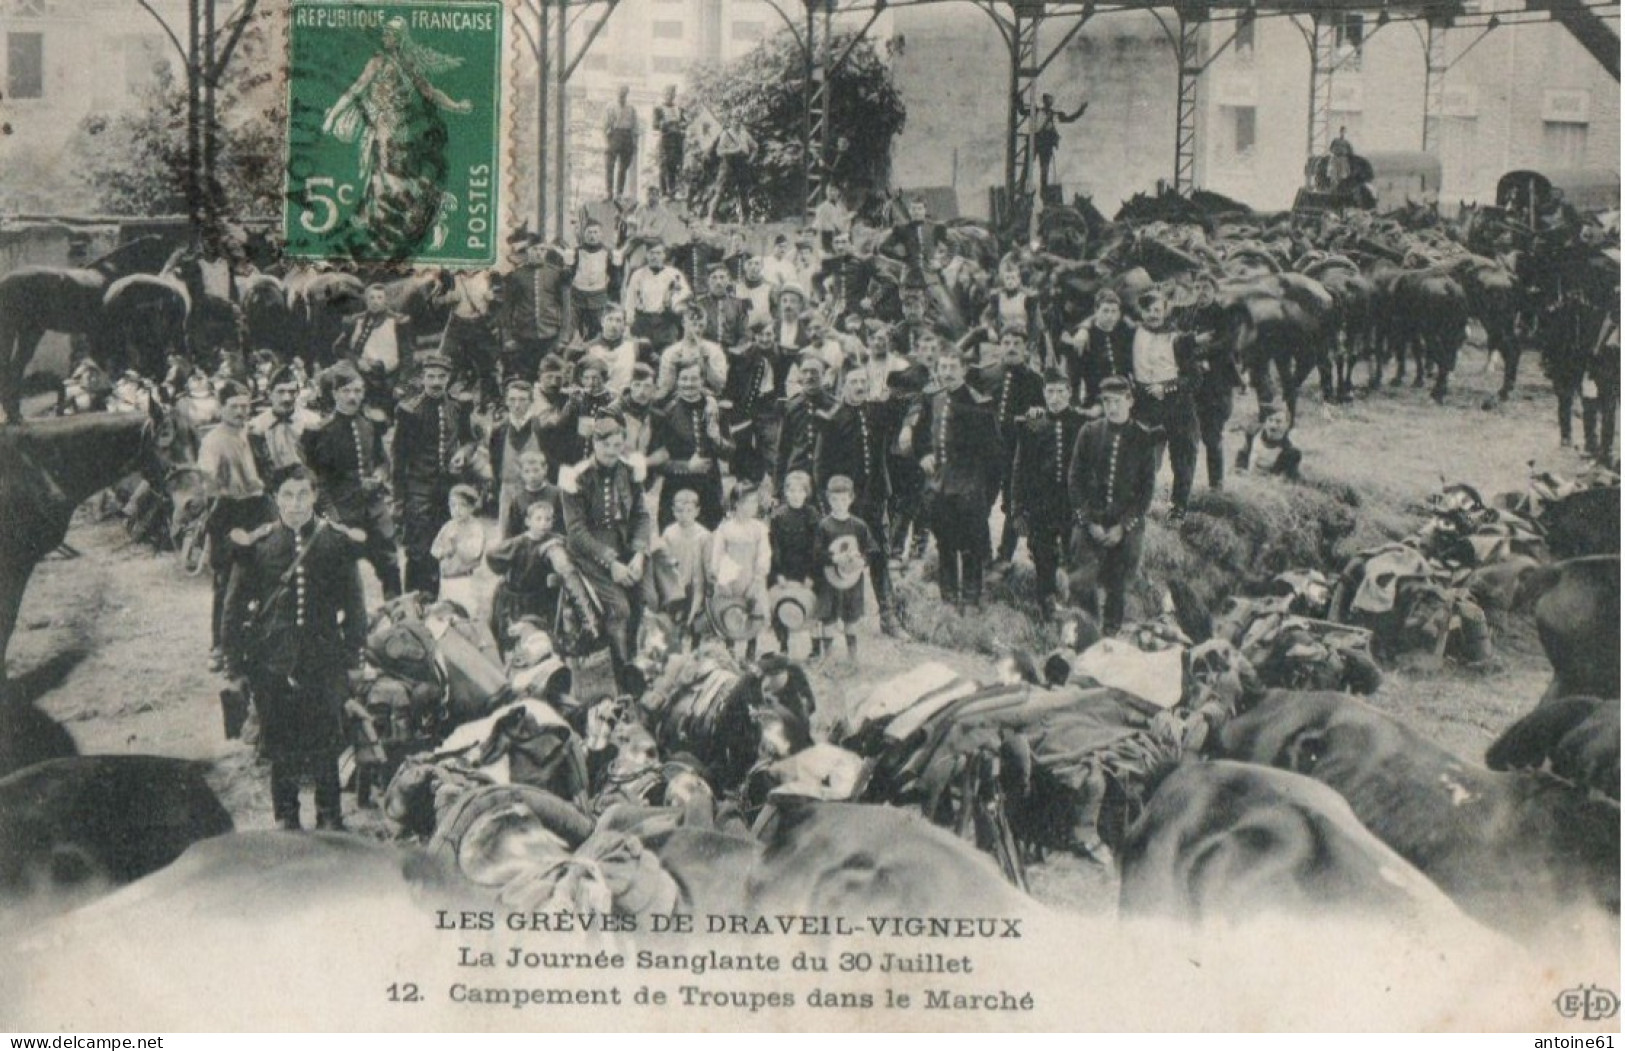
(844, 547)
(535, 568)
(533, 488)
(688, 545)
(742, 556)
(793, 537)
(459, 547)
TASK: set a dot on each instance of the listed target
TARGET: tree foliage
(134, 161)
(763, 92)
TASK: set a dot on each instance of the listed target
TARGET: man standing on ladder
(1047, 137)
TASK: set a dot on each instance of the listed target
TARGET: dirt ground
(114, 643)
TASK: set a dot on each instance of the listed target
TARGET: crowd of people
(771, 441)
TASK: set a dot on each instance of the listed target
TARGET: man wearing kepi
(1114, 471)
(607, 530)
(295, 624)
(957, 438)
(1039, 504)
(346, 452)
(429, 429)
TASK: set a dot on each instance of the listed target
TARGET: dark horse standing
(35, 300)
(47, 469)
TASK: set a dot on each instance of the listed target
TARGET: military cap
(433, 360)
(1116, 385)
(1053, 375)
(283, 376)
(516, 381)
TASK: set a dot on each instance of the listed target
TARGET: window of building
(25, 65)
(669, 64)
(749, 30)
(1348, 38)
(1246, 30)
(1564, 144)
(666, 30)
(1246, 125)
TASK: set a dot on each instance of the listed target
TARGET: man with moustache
(1109, 486)
(956, 436)
(853, 439)
(1044, 445)
(295, 624)
(429, 429)
(345, 453)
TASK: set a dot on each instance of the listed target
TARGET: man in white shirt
(594, 271)
(692, 347)
(779, 268)
(756, 291)
(654, 294)
(615, 350)
(377, 340)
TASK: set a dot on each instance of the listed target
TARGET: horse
(47, 469)
(35, 300)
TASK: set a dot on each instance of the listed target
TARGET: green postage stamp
(395, 131)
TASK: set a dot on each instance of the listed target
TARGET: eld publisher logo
(1589, 1002)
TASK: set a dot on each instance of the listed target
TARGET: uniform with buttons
(1039, 496)
(961, 432)
(344, 453)
(295, 622)
(428, 433)
(607, 522)
(1110, 484)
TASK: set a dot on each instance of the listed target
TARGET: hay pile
(1231, 542)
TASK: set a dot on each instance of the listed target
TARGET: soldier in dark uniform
(1103, 347)
(1015, 390)
(607, 530)
(915, 241)
(687, 446)
(1114, 472)
(798, 435)
(536, 313)
(295, 625)
(1043, 461)
(346, 453)
(554, 414)
(429, 429)
(592, 399)
(749, 409)
(853, 439)
(956, 435)
(725, 314)
(845, 278)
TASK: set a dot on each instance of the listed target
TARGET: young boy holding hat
(845, 547)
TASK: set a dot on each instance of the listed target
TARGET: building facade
(1518, 96)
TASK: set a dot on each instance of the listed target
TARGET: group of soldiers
(635, 387)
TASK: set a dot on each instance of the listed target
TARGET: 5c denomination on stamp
(395, 131)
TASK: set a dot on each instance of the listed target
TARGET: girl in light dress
(742, 556)
(460, 548)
